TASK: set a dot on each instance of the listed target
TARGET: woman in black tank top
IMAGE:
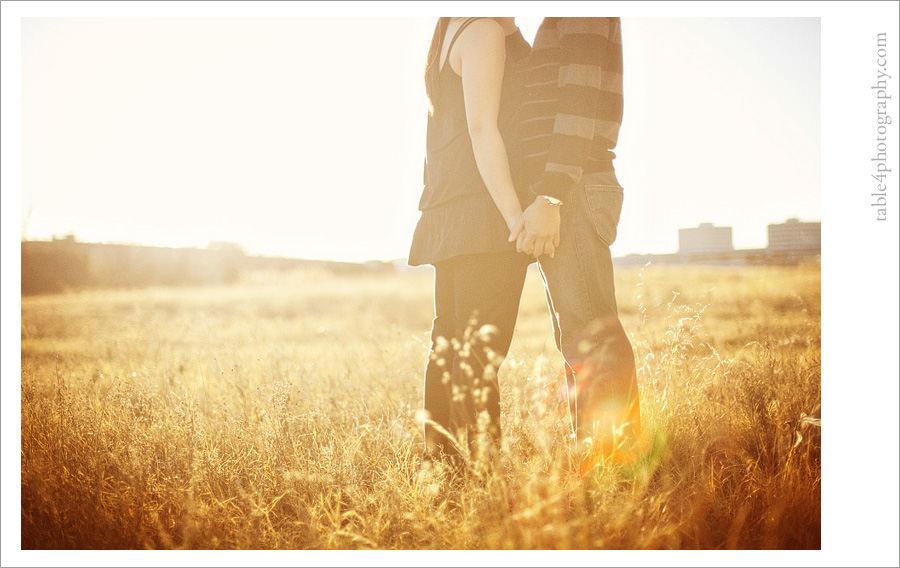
(473, 78)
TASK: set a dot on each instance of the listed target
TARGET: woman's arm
(480, 59)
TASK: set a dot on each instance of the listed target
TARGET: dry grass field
(282, 412)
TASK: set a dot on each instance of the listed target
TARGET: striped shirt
(573, 102)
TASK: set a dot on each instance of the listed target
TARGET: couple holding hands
(519, 166)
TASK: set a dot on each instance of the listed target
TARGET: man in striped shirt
(568, 130)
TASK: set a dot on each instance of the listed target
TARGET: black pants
(476, 301)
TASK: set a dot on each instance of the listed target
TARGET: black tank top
(450, 168)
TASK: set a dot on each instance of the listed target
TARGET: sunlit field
(283, 412)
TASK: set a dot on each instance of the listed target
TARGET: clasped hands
(536, 232)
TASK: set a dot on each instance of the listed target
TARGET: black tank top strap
(459, 31)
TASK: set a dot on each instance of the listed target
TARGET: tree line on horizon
(61, 265)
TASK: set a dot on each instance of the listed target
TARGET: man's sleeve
(590, 74)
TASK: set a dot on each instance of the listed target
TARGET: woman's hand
(537, 230)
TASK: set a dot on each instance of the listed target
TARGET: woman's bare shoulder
(482, 34)
(483, 38)
(487, 28)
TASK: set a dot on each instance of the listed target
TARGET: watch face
(552, 200)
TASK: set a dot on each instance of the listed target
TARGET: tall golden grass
(283, 412)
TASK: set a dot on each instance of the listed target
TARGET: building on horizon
(790, 243)
(794, 235)
(704, 239)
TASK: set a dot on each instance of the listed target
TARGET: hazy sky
(304, 136)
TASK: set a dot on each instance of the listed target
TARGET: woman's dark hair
(432, 63)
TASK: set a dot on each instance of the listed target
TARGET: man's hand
(537, 230)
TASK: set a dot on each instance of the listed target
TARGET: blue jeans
(582, 299)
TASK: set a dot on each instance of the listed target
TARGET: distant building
(704, 239)
(793, 235)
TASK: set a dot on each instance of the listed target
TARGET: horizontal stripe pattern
(574, 102)
(578, 74)
(571, 171)
(574, 125)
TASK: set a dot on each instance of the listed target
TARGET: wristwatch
(551, 200)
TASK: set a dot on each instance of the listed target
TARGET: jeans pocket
(605, 204)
